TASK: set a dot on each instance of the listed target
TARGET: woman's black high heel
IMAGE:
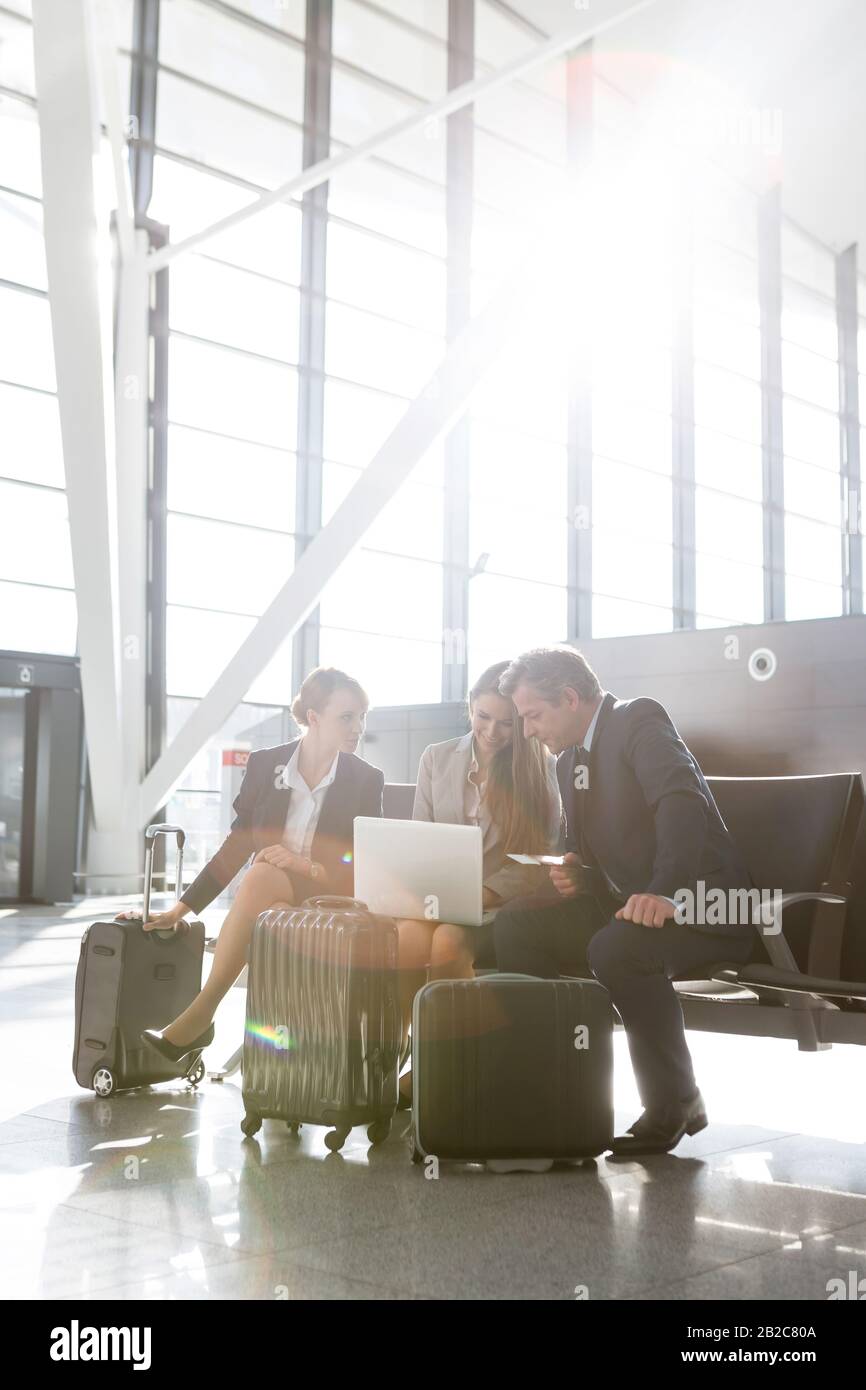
(175, 1052)
(404, 1102)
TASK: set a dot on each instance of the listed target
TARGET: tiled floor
(157, 1195)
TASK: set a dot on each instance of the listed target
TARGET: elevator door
(13, 743)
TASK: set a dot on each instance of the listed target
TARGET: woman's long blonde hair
(517, 791)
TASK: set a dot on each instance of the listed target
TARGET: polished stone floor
(156, 1195)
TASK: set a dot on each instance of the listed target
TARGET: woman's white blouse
(305, 806)
(474, 804)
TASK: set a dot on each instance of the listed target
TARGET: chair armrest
(727, 974)
(792, 982)
(782, 958)
(777, 907)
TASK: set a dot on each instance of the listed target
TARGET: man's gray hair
(549, 670)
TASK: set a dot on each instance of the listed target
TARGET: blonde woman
(495, 778)
(295, 813)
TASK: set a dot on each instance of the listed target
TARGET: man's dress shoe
(659, 1132)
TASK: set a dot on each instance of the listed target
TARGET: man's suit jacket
(649, 818)
(260, 817)
(439, 796)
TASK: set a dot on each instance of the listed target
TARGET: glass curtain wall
(230, 106)
(673, 288)
(37, 598)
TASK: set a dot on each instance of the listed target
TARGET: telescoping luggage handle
(150, 836)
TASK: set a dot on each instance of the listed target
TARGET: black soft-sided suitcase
(511, 1067)
(322, 1036)
(129, 979)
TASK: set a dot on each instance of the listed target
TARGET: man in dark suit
(642, 829)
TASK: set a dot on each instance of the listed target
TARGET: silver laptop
(417, 868)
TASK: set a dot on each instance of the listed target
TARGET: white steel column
(79, 282)
(131, 415)
(109, 81)
(131, 398)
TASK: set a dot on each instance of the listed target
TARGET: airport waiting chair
(398, 799)
(797, 835)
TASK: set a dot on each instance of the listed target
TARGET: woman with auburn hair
(295, 812)
(495, 778)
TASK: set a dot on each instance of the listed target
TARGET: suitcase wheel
(336, 1139)
(195, 1075)
(251, 1124)
(103, 1082)
(378, 1131)
(294, 1126)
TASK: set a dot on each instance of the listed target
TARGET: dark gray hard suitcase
(508, 1067)
(129, 979)
(322, 1036)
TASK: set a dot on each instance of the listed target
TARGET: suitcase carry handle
(150, 836)
(169, 933)
(499, 975)
(163, 933)
(334, 900)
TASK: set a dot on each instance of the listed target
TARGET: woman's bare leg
(413, 958)
(262, 887)
(452, 953)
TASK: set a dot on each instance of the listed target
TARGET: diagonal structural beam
(76, 235)
(454, 100)
(439, 405)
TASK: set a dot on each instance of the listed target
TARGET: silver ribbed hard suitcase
(322, 1036)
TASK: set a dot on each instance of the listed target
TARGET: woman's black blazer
(260, 817)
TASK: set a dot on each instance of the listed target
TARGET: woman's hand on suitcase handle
(168, 921)
(162, 921)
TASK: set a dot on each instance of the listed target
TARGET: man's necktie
(580, 791)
